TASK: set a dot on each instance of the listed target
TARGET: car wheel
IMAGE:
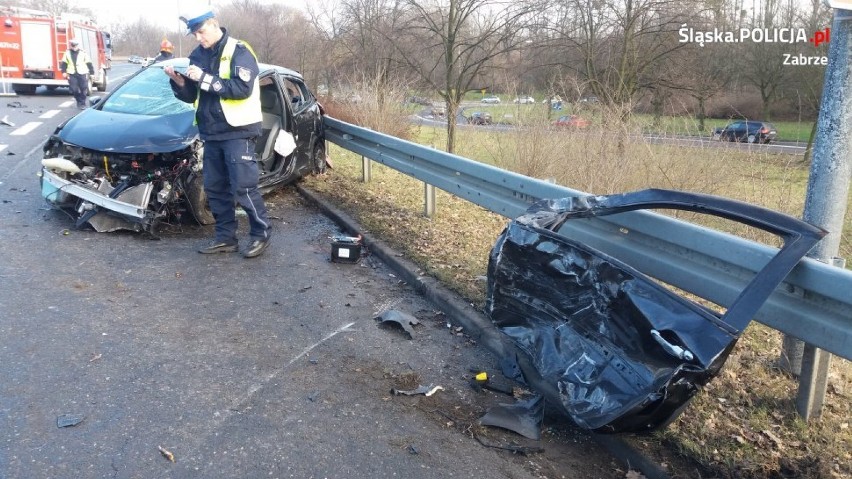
(318, 159)
(752, 138)
(197, 199)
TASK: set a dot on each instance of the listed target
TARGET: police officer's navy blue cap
(195, 18)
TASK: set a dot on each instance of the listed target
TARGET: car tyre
(752, 138)
(197, 199)
(318, 160)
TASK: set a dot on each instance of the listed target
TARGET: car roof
(183, 62)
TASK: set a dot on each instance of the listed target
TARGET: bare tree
(55, 7)
(140, 37)
(330, 53)
(617, 47)
(274, 31)
(761, 63)
(451, 44)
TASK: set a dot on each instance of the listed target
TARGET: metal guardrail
(814, 303)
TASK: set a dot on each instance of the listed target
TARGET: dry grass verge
(744, 423)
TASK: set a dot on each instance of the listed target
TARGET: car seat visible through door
(271, 123)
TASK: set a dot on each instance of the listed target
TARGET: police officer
(222, 81)
(166, 51)
(75, 65)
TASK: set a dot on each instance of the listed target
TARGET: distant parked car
(479, 118)
(747, 131)
(490, 99)
(572, 121)
(523, 100)
(134, 59)
(420, 100)
(439, 109)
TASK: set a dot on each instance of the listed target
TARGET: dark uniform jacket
(212, 124)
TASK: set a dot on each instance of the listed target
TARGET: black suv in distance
(479, 118)
(748, 131)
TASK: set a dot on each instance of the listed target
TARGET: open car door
(613, 348)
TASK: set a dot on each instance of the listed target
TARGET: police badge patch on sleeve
(244, 74)
(217, 85)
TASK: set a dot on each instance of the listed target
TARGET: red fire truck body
(32, 43)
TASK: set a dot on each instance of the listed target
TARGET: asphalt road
(777, 147)
(271, 367)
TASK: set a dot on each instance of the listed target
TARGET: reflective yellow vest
(238, 112)
(81, 65)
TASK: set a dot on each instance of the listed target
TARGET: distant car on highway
(490, 99)
(524, 100)
(420, 100)
(572, 121)
(439, 109)
(748, 131)
(134, 59)
(479, 118)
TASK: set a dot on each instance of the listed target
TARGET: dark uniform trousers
(78, 83)
(231, 171)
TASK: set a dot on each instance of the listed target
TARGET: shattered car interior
(612, 348)
(133, 160)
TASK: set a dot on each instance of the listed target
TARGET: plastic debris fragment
(166, 453)
(425, 390)
(68, 420)
(403, 320)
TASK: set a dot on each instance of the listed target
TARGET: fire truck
(32, 43)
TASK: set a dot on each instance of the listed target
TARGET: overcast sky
(160, 12)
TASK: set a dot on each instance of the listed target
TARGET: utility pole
(827, 196)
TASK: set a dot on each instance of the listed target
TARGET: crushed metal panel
(614, 349)
(523, 417)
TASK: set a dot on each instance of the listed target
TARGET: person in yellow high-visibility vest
(76, 67)
(222, 83)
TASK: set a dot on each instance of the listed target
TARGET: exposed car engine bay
(113, 191)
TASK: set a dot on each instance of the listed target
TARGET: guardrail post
(828, 192)
(366, 170)
(429, 200)
(813, 381)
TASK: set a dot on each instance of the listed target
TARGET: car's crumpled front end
(133, 191)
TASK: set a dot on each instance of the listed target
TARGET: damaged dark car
(614, 349)
(133, 160)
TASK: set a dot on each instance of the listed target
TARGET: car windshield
(147, 93)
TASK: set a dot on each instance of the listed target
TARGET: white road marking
(26, 128)
(3, 147)
(66, 104)
(49, 114)
(334, 333)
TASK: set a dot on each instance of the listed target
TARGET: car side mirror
(94, 100)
